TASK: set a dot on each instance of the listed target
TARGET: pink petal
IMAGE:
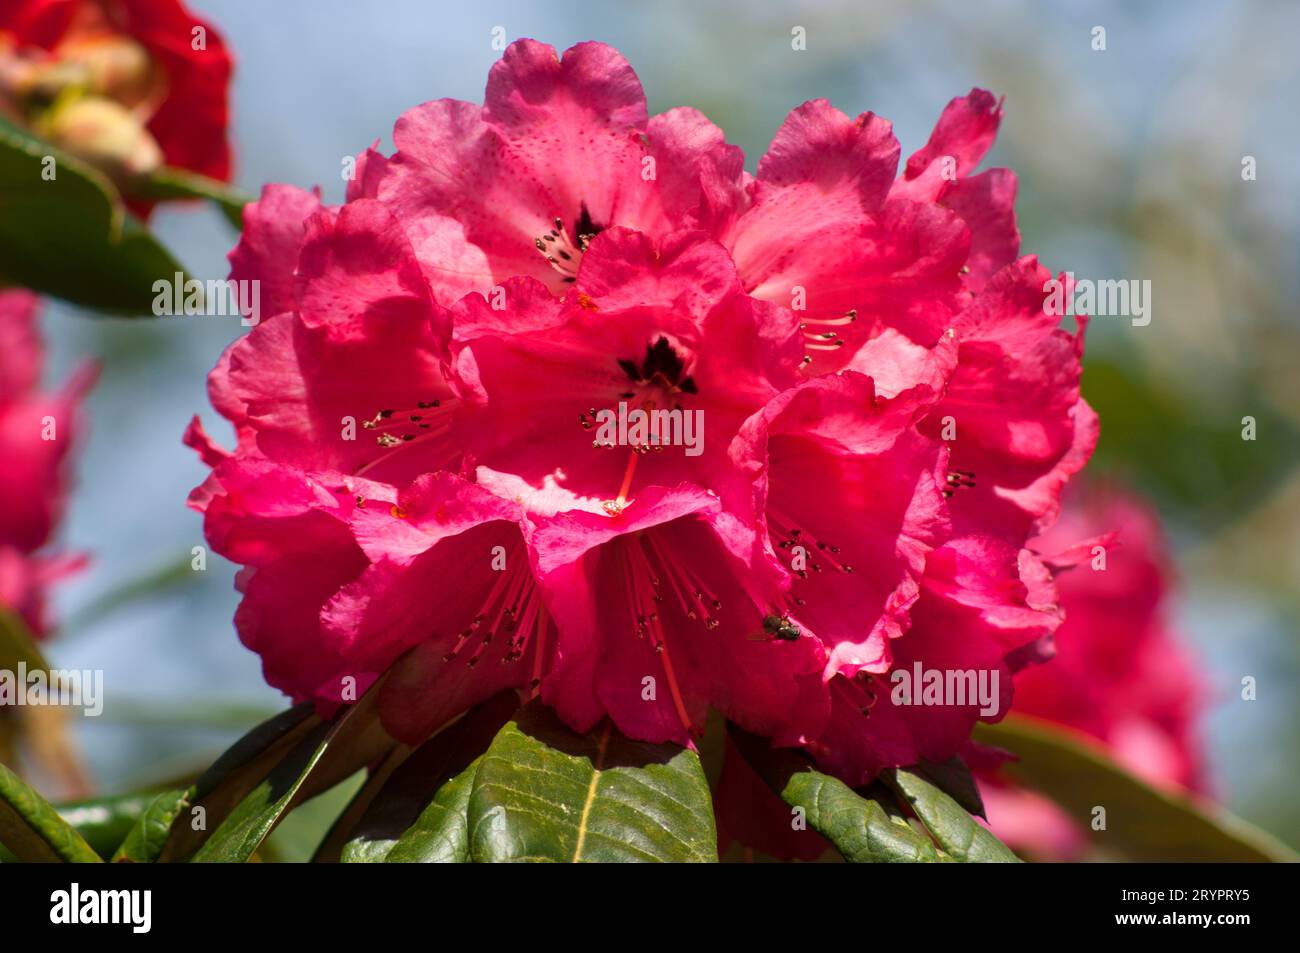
(478, 189)
(1012, 401)
(21, 352)
(34, 480)
(290, 530)
(819, 187)
(357, 276)
(987, 204)
(484, 634)
(197, 439)
(274, 228)
(685, 272)
(850, 495)
(721, 656)
(965, 131)
(701, 178)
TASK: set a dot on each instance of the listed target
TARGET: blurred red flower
(129, 85)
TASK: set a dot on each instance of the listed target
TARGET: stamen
(793, 533)
(822, 340)
(628, 472)
(539, 654)
(513, 607)
(847, 318)
(397, 430)
(643, 585)
(852, 690)
(560, 252)
(957, 479)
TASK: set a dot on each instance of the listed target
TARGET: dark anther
(660, 360)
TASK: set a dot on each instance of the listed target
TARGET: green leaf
(339, 843)
(1142, 822)
(33, 830)
(440, 835)
(298, 836)
(860, 828)
(232, 776)
(957, 833)
(144, 842)
(254, 817)
(327, 755)
(104, 822)
(543, 793)
(18, 645)
(285, 727)
(71, 237)
(953, 778)
(407, 817)
(168, 183)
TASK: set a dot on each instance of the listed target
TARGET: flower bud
(105, 134)
(115, 67)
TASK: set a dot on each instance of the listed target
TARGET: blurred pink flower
(37, 432)
(1120, 675)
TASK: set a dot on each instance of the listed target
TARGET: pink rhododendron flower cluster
(1120, 676)
(37, 431)
(424, 462)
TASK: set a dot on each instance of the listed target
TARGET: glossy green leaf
(344, 841)
(408, 818)
(32, 829)
(328, 754)
(954, 779)
(544, 793)
(144, 842)
(959, 835)
(1142, 822)
(440, 835)
(70, 236)
(297, 837)
(232, 776)
(860, 828)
